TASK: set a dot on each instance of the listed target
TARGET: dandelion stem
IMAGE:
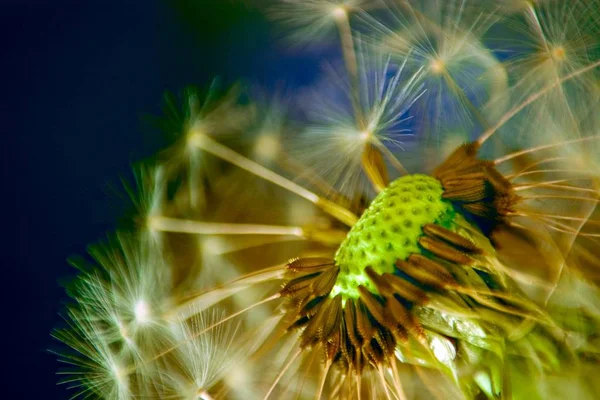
(553, 216)
(186, 315)
(235, 314)
(531, 99)
(349, 53)
(397, 381)
(166, 224)
(323, 379)
(392, 158)
(206, 143)
(300, 383)
(560, 197)
(546, 171)
(283, 371)
(305, 173)
(347, 41)
(196, 334)
(458, 91)
(559, 274)
(540, 162)
(357, 378)
(316, 234)
(384, 383)
(553, 185)
(430, 384)
(208, 298)
(558, 227)
(544, 147)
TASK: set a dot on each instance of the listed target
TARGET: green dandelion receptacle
(389, 231)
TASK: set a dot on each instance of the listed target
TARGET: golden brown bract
(363, 333)
(476, 187)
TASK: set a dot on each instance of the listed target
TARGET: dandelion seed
(554, 40)
(461, 75)
(96, 367)
(204, 358)
(312, 20)
(111, 316)
(359, 137)
(363, 298)
(209, 115)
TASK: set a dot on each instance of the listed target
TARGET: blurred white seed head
(204, 355)
(95, 366)
(345, 119)
(544, 42)
(311, 21)
(221, 116)
(117, 321)
(149, 197)
(460, 74)
(263, 141)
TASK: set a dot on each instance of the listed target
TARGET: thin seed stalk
(349, 54)
(209, 145)
(372, 159)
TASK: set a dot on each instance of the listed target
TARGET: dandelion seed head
(460, 73)
(217, 114)
(96, 367)
(205, 355)
(418, 286)
(115, 321)
(309, 21)
(349, 126)
(148, 197)
(554, 39)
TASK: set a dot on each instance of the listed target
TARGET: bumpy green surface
(389, 230)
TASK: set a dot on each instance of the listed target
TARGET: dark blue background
(77, 77)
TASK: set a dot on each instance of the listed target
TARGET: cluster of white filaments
(228, 286)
